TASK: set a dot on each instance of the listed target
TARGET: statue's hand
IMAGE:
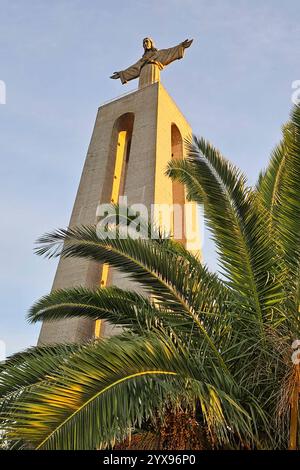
(115, 75)
(187, 43)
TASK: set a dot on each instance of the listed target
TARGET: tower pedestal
(133, 139)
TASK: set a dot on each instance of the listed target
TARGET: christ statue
(152, 62)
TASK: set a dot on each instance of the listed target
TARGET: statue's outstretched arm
(128, 74)
(166, 56)
(187, 43)
(115, 75)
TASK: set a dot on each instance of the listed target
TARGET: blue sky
(234, 87)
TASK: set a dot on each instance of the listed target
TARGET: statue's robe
(149, 66)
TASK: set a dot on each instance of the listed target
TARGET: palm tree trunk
(294, 410)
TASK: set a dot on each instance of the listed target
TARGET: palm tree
(213, 347)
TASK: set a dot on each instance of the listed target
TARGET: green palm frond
(26, 368)
(160, 271)
(270, 180)
(287, 214)
(94, 390)
(238, 225)
(20, 372)
(110, 386)
(120, 307)
(278, 187)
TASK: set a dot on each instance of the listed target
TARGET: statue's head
(148, 44)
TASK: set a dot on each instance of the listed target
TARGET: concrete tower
(133, 139)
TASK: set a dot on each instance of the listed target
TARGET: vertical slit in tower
(121, 150)
(178, 189)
